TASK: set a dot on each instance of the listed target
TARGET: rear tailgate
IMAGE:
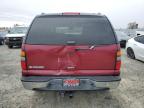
(65, 60)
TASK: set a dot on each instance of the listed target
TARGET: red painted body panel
(65, 60)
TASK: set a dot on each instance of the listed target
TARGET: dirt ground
(129, 94)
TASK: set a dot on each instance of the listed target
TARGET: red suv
(70, 51)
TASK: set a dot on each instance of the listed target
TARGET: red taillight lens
(118, 65)
(23, 65)
(23, 60)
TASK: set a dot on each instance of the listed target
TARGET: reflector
(23, 54)
(119, 53)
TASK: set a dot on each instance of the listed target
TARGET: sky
(120, 12)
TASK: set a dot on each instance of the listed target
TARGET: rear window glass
(61, 29)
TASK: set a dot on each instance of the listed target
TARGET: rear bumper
(56, 83)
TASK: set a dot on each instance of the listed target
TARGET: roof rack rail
(42, 13)
(99, 13)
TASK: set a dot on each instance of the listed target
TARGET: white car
(135, 48)
(15, 36)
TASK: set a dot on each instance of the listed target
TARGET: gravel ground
(129, 94)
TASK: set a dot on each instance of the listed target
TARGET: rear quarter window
(60, 29)
(139, 39)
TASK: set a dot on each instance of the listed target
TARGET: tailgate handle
(77, 49)
(90, 48)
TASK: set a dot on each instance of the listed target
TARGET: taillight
(118, 65)
(23, 60)
(118, 60)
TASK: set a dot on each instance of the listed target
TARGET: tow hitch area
(64, 93)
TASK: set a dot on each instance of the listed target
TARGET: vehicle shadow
(140, 61)
(136, 60)
(81, 99)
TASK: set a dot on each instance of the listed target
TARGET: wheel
(130, 53)
(1, 42)
(10, 46)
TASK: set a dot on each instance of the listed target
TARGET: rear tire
(10, 46)
(130, 53)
